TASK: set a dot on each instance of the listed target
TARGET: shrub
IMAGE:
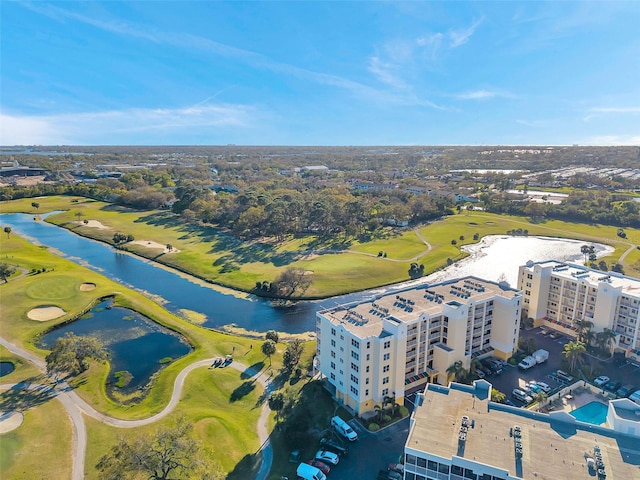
(374, 427)
(166, 360)
(404, 411)
(386, 418)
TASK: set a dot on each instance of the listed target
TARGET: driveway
(371, 452)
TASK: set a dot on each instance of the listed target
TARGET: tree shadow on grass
(246, 468)
(29, 393)
(242, 391)
(252, 370)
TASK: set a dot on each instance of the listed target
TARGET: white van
(308, 472)
(344, 429)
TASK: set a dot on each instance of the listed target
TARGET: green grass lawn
(225, 427)
(220, 403)
(218, 258)
(41, 446)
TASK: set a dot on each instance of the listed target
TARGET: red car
(323, 467)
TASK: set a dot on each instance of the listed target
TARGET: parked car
(545, 388)
(327, 457)
(625, 390)
(344, 429)
(334, 446)
(396, 467)
(323, 467)
(601, 380)
(521, 396)
(480, 373)
(612, 386)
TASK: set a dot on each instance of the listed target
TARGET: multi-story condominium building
(378, 348)
(457, 433)
(562, 296)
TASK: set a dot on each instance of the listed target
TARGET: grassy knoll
(41, 446)
(219, 258)
(224, 423)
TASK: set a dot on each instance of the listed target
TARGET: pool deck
(581, 396)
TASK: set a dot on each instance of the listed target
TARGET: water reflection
(135, 343)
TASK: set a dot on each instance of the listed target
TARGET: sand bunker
(154, 245)
(94, 224)
(10, 421)
(87, 287)
(42, 314)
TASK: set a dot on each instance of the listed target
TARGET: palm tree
(35, 205)
(457, 372)
(574, 353)
(540, 397)
(269, 348)
(583, 327)
(7, 230)
(497, 396)
(604, 338)
(584, 249)
(379, 412)
(589, 336)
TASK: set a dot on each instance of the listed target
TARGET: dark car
(612, 386)
(334, 446)
(323, 467)
(625, 391)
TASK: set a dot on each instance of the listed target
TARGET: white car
(601, 381)
(327, 457)
(545, 388)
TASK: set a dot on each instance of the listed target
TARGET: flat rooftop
(629, 285)
(366, 319)
(553, 446)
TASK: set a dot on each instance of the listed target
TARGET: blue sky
(320, 73)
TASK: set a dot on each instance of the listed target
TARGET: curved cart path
(75, 406)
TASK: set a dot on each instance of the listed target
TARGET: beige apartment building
(457, 433)
(560, 295)
(381, 347)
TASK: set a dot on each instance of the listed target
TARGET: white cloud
(599, 111)
(99, 127)
(385, 72)
(460, 37)
(483, 94)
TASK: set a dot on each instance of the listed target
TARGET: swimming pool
(594, 413)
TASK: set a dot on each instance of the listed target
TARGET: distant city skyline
(320, 73)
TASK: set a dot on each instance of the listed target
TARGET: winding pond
(496, 256)
(135, 343)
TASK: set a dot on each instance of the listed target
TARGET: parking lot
(513, 377)
(371, 452)
(375, 451)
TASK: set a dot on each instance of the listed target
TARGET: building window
(385, 392)
(385, 380)
(355, 343)
(354, 367)
(341, 337)
(333, 342)
(333, 354)
(333, 331)
(456, 470)
(367, 368)
(354, 379)
(368, 344)
(385, 369)
(354, 391)
(366, 381)
(387, 344)
(368, 357)
(366, 392)
(333, 365)
(386, 356)
(333, 376)
(410, 459)
(355, 355)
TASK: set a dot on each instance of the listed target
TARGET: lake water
(6, 368)
(494, 257)
(135, 343)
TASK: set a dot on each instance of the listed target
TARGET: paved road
(75, 406)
